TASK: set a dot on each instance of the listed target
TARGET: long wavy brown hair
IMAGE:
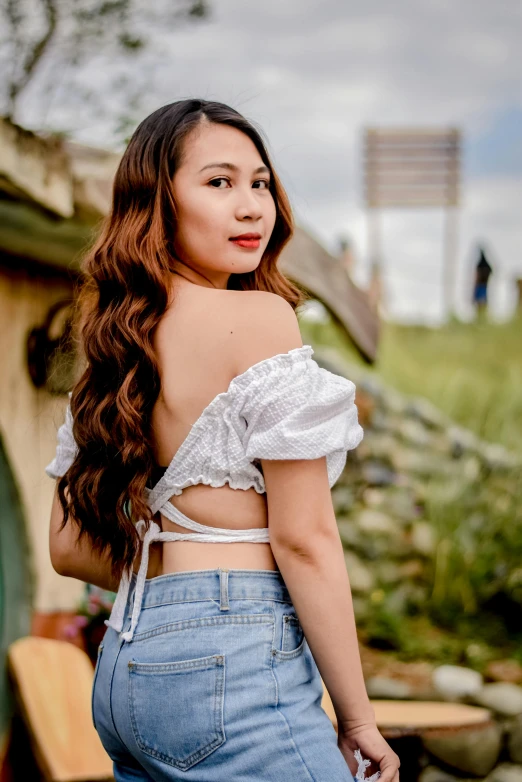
(122, 297)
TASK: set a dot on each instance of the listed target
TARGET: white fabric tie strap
(203, 534)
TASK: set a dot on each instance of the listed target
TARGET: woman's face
(222, 191)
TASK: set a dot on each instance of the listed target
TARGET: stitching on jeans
(110, 689)
(279, 711)
(276, 702)
(95, 678)
(263, 598)
(206, 621)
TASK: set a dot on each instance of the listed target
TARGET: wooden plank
(396, 718)
(411, 194)
(428, 166)
(307, 262)
(54, 681)
(380, 179)
(410, 153)
(420, 203)
(412, 135)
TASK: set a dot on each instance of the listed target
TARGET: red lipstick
(249, 240)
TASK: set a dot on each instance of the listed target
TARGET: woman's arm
(308, 550)
(309, 553)
(77, 559)
(73, 559)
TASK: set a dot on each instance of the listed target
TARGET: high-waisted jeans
(218, 684)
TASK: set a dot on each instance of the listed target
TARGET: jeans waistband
(215, 584)
(150, 534)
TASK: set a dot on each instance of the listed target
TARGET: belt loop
(223, 589)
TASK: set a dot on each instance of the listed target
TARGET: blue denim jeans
(218, 684)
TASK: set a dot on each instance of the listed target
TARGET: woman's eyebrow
(232, 167)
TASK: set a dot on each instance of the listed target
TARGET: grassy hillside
(472, 372)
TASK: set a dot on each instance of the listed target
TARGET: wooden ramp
(53, 682)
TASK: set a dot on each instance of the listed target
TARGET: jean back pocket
(177, 708)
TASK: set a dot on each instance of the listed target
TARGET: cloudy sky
(314, 73)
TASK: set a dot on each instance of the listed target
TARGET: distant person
(483, 272)
(201, 418)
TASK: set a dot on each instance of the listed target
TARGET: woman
(200, 417)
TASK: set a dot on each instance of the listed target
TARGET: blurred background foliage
(465, 606)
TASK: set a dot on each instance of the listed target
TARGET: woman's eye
(265, 184)
(217, 182)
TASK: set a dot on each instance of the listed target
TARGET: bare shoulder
(227, 330)
(263, 324)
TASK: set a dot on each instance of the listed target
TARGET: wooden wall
(29, 418)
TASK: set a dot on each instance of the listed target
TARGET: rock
(414, 433)
(386, 688)
(501, 697)
(471, 751)
(374, 498)
(434, 774)
(423, 538)
(505, 772)
(504, 671)
(499, 458)
(374, 522)
(453, 682)
(462, 440)
(382, 445)
(424, 463)
(514, 742)
(403, 504)
(393, 401)
(379, 421)
(377, 474)
(361, 578)
(471, 469)
(426, 412)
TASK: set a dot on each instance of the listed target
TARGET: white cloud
(313, 73)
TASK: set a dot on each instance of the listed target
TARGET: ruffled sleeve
(66, 448)
(295, 409)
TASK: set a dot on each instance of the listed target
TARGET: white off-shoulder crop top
(283, 407)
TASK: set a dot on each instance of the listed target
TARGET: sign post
(413, 168)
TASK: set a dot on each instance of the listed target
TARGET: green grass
(472, 372)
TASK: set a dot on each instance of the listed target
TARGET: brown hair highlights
(123, 296)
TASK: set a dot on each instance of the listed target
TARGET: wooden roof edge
(37, 168)
(352, 310)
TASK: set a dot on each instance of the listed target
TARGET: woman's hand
(373, 747)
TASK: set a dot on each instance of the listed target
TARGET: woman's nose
(248, 206)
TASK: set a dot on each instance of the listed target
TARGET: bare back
(195, 344)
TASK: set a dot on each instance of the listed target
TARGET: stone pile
(390, 541)
(410, 449)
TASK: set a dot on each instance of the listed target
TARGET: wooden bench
(53, 683)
